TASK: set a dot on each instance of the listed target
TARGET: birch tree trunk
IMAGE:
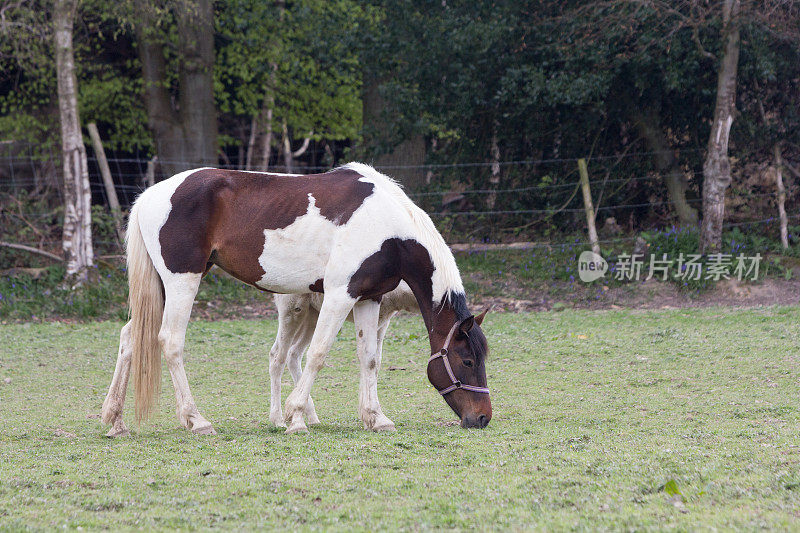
(494, 178)
(776, 152)
(717, 168)
(77, 236)
(287, 149)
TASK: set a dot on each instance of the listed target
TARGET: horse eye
(466, 362)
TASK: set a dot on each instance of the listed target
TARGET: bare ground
(561, 295)
(651, 295)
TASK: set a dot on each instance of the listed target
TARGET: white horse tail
(146, 308)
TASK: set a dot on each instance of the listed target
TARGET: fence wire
(37, 172)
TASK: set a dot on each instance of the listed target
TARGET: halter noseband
(456, 383)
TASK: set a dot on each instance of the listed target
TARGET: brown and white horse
(351, 233)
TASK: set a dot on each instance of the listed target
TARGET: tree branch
(300, 151)
(32, 250)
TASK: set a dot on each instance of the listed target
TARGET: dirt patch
(651, 294)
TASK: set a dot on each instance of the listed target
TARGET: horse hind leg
(115, 399)
(292, 313)
(180, 290)
(365, 316)
(299, 346)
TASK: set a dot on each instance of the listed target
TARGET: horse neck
(438, 317)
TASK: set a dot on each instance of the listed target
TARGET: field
(679, 419)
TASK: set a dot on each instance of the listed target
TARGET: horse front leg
(335, 307)
(365, 316)
(115, 399)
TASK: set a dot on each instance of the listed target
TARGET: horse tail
(146, 308)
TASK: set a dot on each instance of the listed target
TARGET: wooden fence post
(587, 204)
(105, 172)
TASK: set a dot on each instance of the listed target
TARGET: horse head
(458, 371)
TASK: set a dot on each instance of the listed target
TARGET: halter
(456, 383)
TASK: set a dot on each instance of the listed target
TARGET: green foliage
(300, 55)
(675, 242)
(24, 297)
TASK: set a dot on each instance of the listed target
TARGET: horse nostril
(483, 421)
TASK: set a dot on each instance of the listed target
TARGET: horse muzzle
(472, 421)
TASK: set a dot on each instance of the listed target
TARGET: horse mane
(476, 342)
(444, 264)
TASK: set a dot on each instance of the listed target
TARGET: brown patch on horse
(225, 213)
(317, 286)
(397, 259)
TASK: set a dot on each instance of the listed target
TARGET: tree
(287, 73)
(77, 239)
(181, 116)
(717, 167)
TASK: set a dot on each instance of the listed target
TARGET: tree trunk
(649, 127)
(251, 143)
(494, 178)
(185, 134)
(717, 168)
(776, 152)
(77, 236)
(196, 77)
(407, 159)
(287, 149)
(266, 145)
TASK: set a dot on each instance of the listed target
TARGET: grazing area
(612, 420)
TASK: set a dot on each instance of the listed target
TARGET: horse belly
(296, 256)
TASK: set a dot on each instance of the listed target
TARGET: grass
(683, 420)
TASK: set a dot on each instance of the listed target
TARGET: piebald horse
(350, 233)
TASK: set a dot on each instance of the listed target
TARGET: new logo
(591, 266)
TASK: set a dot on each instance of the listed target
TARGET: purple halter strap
(456, 383)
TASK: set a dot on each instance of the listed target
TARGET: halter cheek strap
(456, 384)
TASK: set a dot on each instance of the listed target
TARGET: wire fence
(538, 190)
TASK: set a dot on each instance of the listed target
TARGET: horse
(350, 233)
(297, 319)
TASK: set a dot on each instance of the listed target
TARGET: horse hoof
(297, 428)
(277, 420)
(204, 430)
(385, 427)
(114, 433)
(313, 420)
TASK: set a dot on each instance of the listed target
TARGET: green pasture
(619, 420)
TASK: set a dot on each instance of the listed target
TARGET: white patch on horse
(296, 256)
(387, 194)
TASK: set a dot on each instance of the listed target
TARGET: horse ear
(466, 324)
(480, 317)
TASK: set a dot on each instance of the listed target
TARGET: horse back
(231, 218)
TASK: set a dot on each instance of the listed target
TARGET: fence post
(105, 172)
(587, 204)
